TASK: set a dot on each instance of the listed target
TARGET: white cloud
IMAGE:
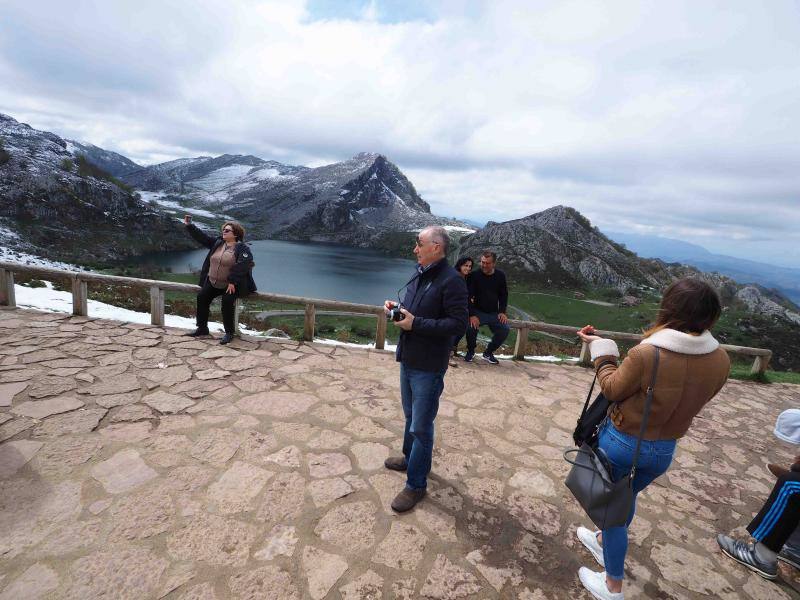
(678, 117)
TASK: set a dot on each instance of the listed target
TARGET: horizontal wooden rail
(79, 279)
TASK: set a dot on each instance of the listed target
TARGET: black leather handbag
(591, 418)
(607, 502)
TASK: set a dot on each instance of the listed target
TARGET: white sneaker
(596, 584)
(589, 539)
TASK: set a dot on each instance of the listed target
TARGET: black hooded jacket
(241, 273)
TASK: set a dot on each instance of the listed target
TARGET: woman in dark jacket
(464, 268)
(227, 272)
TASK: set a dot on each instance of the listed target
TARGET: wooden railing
(80, 279)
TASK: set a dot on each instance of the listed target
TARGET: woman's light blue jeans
(654, 460)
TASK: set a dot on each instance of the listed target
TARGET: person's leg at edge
(426, 388)
(499, 330)
(229, 313)
(654, 460)
(204, 298)
(472, 338)
(406, 396)
(778, 520)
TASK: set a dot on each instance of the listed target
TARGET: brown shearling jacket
(691, 371)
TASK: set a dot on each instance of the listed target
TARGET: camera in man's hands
(394, 313)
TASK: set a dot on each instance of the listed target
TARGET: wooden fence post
(308, 324)
(380, 333)
(7, 295)
(760, 365)
(80, 298)
(522, 343)
(586, 356)
(157, 306)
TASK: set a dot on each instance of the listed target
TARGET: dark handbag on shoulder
(591, 418)
(607, 503)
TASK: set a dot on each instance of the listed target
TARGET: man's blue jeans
(420, 391)
(654, 460)
(499, 331)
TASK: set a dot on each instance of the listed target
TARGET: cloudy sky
(677, 119)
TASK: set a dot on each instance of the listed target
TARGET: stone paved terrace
(141, 464)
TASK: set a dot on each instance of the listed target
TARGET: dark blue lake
(309, 269)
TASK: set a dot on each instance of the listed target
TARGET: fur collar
(684, 343)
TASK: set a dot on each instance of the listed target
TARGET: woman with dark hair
(226, 272)
(691, 369)
(464, 267)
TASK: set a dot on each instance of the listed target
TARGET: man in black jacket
(434, 310)
(226, 272)
(488, 293)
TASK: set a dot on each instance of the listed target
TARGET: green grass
(742, 371)
(562, 310)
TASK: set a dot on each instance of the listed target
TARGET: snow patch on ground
(457, 228)
(16, 256)
(262, 174)
(221, 178)
(172, 206)
(50, 300)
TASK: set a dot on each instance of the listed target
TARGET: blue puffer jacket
(438, 300)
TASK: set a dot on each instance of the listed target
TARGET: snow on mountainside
(111, 162)
(362, 201)
(60, 209)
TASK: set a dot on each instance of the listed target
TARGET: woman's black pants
(204, 298)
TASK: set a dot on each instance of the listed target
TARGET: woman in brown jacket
(692, 369)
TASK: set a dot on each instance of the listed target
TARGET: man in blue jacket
(434, 310)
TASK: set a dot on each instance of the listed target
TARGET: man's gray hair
(439, 235)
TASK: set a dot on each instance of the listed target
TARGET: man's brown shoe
(407, 499)
(777, 470)
(396, 463)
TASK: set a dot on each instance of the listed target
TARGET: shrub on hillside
(4, 155)
(67, 164)
(88, 169)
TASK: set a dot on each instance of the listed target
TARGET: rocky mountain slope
(559, 248)
(59, 206)
(364, 201)
(110, 162)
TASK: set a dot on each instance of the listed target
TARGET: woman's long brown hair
(688, 305)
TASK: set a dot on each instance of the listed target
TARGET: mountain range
(56, 203)
(73, 201)
(784, 279)
(364, 201)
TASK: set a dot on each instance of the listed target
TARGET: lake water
(309, 269)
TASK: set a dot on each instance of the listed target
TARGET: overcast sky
(673, 118)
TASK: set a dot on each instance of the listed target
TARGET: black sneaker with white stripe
(745, 553)
(489, 357)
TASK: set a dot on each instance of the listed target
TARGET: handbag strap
(588, 396)
(646, 416)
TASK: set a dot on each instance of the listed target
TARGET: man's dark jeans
(499, 331)
(420, 391)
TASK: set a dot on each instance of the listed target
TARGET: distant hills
(785, 280)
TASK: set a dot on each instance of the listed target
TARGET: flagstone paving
(137, 463)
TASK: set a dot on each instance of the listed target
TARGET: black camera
(395, 314)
